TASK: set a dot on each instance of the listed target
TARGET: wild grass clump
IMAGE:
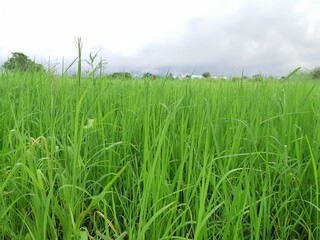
(142, 159)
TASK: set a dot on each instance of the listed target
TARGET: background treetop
(21, 62)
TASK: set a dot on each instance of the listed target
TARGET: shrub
(121, 75)
(206, 75)
(316, 73)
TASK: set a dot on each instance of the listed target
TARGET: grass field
(163, 159)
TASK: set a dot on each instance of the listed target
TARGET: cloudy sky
(223, 37)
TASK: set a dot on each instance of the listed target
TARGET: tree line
(21, 62)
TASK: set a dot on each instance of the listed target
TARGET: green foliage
(150, 75)
(257, 77)
(293, 73)
(170, 76)
(95, 67)
(206, 75)
(140, 159)
(21, 62)
(79, 69)
(188, 76)
(316, 73)
(122, 75)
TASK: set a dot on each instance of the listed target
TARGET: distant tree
(257, 77)
(316, 73)
(170, 76)
(206, 75)
(150, 75)
(21, 62)
(121, 75)
(147, 75)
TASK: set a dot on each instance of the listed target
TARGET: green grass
(161, 160)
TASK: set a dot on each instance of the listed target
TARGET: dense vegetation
(138, 159)
(21, 62)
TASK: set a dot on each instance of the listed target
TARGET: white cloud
(121, 26)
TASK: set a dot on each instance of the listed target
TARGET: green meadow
(158, 159)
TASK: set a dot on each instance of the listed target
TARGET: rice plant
(164, 159)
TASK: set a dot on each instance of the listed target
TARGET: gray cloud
(271, 40)
(271, 37)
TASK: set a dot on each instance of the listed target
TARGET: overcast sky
(223, 37)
